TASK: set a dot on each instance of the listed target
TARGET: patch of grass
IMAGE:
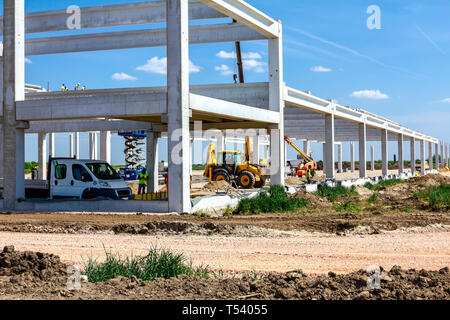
(347, 206)
(333, 193)
(438, 197)
(373, 198)
(389, 183)
(383, 184)
(274, 201)
(158, 263)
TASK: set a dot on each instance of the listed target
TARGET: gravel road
(313, 254)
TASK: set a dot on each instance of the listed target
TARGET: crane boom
(299, 151)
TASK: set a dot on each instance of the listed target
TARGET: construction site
(250, 221)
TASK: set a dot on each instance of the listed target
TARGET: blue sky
(400, 71)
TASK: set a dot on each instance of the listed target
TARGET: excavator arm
(299, 151)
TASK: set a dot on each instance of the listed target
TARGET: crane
(308, 162)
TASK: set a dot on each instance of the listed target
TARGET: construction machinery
(229, 166)
(307, 163)
(134, 153)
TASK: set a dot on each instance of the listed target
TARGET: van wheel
(89, 194)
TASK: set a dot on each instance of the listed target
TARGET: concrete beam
(178, 105)
(85, 107)
(147, 12)
(61, 126)
(232, 110)
(248, 15)
(213, 33)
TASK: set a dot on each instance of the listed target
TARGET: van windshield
(103, 171)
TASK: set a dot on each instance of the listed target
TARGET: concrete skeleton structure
(174, 109)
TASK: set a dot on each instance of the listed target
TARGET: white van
(84, 179)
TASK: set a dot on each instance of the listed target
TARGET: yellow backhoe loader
(229, 166)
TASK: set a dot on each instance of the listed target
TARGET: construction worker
(83, 88)
(63, 88)
(308, 174)
(143, 181)
(77, 87)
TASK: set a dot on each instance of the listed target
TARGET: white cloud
(224, 70)
(254, 65)
(447, 100)
(232, 55)
(27, 60)
(320, 69)
(369, 94)
(121, 76)
(159, 66)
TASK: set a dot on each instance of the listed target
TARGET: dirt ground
(396, 229)
(35, 275)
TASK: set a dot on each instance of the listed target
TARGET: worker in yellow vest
(143, 181)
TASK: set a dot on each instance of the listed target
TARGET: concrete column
(266, 152)
(446, 154)
(413, 155)
(51, 144)
(340, 168)
(324, 158)
(442, 155)
(76, 145)
(329, 141)
(178, 105)
(13, 90)
(307, 147)
(401, 160)
(372, 159)
(91, 146)
(220, 142)
(384, 153)
(430, 156)
(95, 146)
(276, 103)
(352, 156)
(42, 156)
(422, 157)
(152, 161)
(436, 156)
(255, 150)
(362, 150)
(71, 145)
(105, 146)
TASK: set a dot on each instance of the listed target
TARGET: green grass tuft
(275, 201)
(158, 263)
(347, 206)
(438, 197)
(373, 198)
(333, 193)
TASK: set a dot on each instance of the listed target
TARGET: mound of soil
(401, 196)
(40, 265)
(213, 186)
(313, 200)
(397, 284)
